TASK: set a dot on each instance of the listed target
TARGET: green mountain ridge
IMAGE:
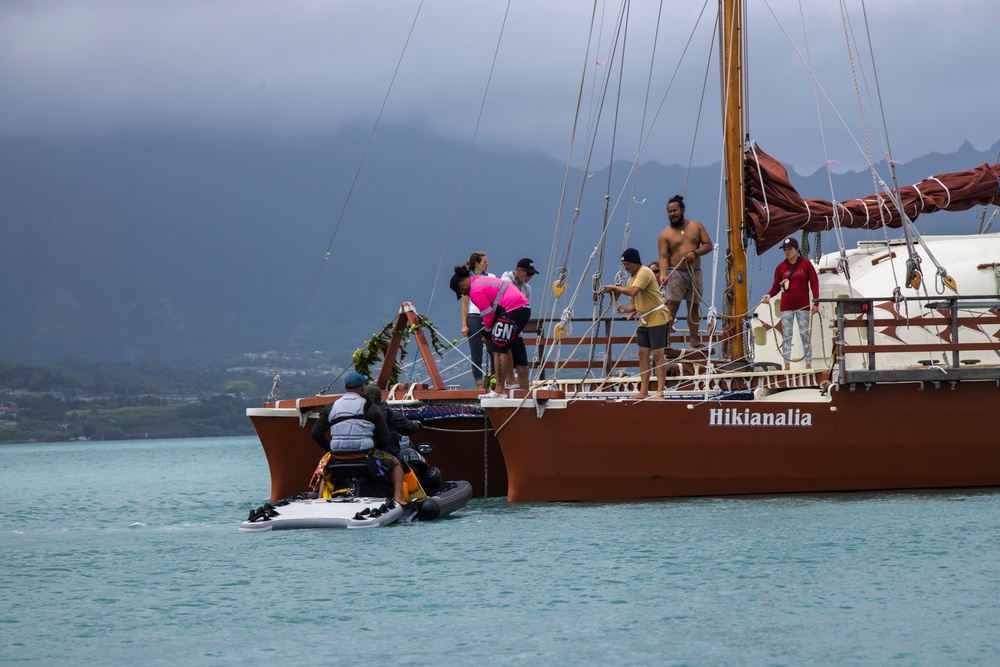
(182, 247)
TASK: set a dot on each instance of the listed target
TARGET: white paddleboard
(323, 513)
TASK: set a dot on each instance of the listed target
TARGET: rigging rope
(347, 199)
(849, 38)
(701, 105)
(597, 295)
(468, 159)
(819, 86)
(908, 227)
(837, 229)
(561, 273)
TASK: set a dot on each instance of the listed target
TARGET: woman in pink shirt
(505, 313)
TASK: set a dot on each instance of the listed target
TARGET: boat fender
(428, 509)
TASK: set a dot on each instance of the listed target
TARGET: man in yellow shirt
(646, 303)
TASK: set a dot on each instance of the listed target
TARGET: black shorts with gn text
(508, 326)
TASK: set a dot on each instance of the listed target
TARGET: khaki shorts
(683, 286)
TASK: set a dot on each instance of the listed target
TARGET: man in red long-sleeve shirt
(795, 277)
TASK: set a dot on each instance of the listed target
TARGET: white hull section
(876, 269)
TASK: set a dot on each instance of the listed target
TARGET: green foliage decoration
(366, 357)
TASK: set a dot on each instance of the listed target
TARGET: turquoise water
(128, 553)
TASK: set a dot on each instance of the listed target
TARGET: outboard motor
(431, 481)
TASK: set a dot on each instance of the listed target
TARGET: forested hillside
(74, 400)
(182, 247)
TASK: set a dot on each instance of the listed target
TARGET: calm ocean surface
(127, 553)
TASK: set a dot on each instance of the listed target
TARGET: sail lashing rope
(982, 215)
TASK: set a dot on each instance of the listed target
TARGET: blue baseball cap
(354, 380)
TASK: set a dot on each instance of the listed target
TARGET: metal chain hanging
(486, 456)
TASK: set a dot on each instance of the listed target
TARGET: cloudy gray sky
(300, 66)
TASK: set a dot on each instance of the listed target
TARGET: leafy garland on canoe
(366, 357)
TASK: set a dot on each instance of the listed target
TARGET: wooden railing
(600, 336)
(948, 322)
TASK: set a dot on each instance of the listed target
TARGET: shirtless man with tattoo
(682, 244)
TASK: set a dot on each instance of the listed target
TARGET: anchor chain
(486, 457)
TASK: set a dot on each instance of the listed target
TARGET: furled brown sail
(776, 209)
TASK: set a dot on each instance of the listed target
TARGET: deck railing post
(841, 356)
(954, 331)
(608, 352)
(871, 332)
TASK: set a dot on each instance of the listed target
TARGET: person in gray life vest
(397, 422)
(355, 426)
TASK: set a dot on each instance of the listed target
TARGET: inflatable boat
(352, 496)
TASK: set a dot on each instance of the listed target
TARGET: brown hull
(891, 437)
(459, 452)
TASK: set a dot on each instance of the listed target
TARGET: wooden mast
(731, 45)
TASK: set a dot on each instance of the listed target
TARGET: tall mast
(735, 305)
